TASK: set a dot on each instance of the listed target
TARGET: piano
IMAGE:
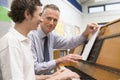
(103, 62)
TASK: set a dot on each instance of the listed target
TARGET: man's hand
(91, 28)
(64, 74)
(69, 58)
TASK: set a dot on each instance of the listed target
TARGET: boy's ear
(27, 14)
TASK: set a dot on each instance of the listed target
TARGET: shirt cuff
(52, 64)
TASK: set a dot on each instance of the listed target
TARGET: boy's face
(35, 20)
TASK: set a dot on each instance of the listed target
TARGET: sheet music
(89, 45)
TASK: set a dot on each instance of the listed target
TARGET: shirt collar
(18, 35)
(41, 33)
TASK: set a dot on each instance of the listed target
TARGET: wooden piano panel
(112, 29)
(110, 53)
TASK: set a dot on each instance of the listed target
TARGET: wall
(99, 17)
(5, 22)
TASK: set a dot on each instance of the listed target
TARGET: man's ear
(27, 14)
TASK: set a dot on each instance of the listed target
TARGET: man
(16, 61)
(50, 16)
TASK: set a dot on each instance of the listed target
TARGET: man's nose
(51, 21)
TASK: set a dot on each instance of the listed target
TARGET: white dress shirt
(54, 42)
(16, 61)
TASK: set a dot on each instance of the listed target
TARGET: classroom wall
(100, 17)
(5, 22)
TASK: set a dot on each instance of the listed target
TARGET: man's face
(50, 18)
(35, 19)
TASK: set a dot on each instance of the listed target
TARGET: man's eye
(55, 20)
(49, 18)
